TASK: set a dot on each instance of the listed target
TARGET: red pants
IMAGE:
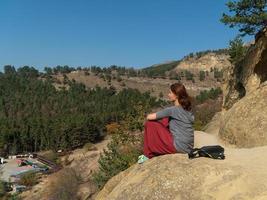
(157, 138)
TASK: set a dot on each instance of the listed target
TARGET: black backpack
(215, 152)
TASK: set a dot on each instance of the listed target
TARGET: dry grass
(66, 186)
(154, 85)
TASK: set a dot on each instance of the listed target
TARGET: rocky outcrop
(244, 120)
(245, 124)
(248, 75)
(205, 62)
(174, 177)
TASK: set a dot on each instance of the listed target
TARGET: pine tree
(249, 15)
(202, 75)
(237, 50)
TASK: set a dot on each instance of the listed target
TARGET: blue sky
(131, 33)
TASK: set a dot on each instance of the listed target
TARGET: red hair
(183, 98)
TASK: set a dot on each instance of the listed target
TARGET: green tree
(27, 71)
(189, 75)
(178, 77)
(237, 50)
(202, 75)
(208, 94)
(48, 70)
(123, 149)
(182, 74)
(249, 15)
(35, 116)
(8, 69)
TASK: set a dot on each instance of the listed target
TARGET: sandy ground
(252, 163)
(253, 159)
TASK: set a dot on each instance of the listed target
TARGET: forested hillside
(35, 116)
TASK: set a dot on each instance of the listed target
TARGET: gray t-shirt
(181, 126)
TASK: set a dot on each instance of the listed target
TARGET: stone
(245, 124)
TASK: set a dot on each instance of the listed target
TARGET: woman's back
(180, 125)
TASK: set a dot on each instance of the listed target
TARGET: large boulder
(245, 124)
(174, 177)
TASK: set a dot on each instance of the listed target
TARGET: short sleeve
(164, 113)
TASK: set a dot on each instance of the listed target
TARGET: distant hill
(204, 62)
(159, 70)
(198, 71)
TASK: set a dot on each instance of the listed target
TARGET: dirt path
(247, 156)
(252, 160)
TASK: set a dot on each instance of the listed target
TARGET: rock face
(247, 75)
(175, 177)
(244, 122)
(205, 62)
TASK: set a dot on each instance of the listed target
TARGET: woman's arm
(166, 112)
(151, 116)
(163, 121)
(160, 114)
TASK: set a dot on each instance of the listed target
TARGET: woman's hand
(151, 116)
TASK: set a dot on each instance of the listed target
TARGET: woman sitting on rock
(170, 130)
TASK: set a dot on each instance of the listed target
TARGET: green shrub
(161, 95)
(14, 197)
(86, 73)
(202, 75)
(189, 75)
(198, 125)
(11, 197)
(125, 146)
(29, 179)
(208, 94)
(122, 152)
(5, 188)
(204, 112)
(2, 189)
